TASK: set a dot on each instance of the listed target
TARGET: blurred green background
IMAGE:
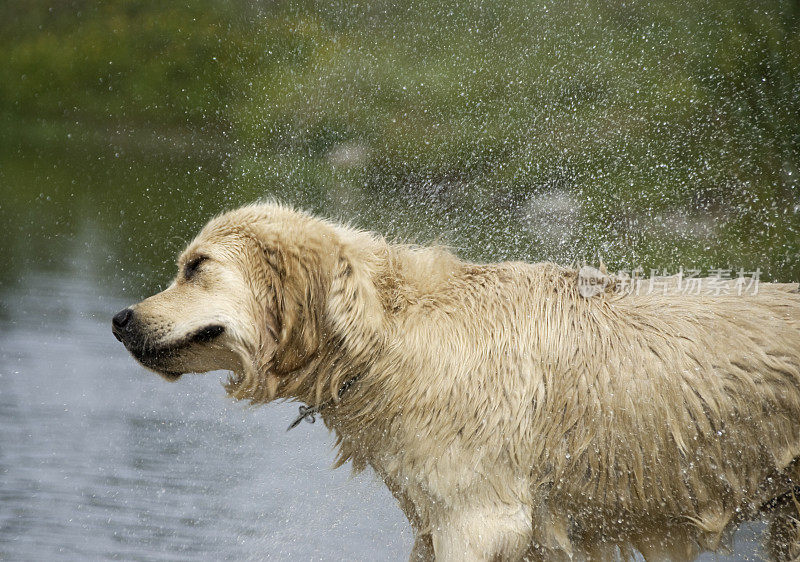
(653, 134)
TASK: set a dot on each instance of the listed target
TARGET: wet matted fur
(511, 417)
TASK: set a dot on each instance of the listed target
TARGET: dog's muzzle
(128, 329)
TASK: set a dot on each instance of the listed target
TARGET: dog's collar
(309, 413)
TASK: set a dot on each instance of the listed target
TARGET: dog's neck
(364, 309)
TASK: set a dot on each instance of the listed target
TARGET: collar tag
(308, 413)
(305, 413)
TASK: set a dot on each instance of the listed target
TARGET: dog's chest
(429, 475)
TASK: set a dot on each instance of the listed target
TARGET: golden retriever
(511, 415)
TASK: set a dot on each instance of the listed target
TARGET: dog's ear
(289, 295)
(290, 291)
(293, 303)
(262, 382)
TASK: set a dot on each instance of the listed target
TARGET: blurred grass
(673, 128)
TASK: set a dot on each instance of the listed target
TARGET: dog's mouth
(159, 356)
(206, 334)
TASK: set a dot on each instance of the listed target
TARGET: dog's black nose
(121, 318)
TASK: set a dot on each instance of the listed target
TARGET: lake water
(100, 459)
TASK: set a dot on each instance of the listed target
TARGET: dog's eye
(191, 268)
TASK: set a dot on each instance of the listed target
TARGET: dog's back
(671, 408)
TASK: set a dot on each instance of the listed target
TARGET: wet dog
(513, 414)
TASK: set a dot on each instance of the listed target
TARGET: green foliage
(163, 63)
(641, 111)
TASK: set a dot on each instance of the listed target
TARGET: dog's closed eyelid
(191, 268)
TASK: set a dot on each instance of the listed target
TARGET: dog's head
(249, 297)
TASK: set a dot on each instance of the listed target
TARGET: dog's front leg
(488, 533)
